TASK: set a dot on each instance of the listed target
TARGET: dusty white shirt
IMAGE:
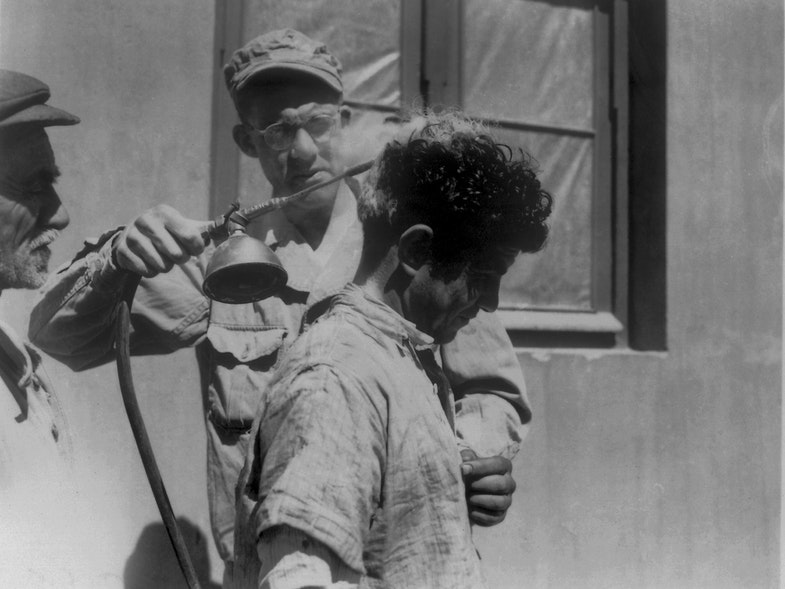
(354, 447)
(40, 511)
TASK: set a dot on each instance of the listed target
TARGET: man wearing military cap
(35, 443)
(288, 92)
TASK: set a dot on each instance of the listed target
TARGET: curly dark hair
(451, 175)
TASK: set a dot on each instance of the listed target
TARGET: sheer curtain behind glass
(531, 63)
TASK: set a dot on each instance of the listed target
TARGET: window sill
(561, 329)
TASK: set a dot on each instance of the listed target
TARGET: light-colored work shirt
(353, 447)
(239, 346)
(39, 528)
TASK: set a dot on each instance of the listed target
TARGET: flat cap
(23, 101)
(280, 51)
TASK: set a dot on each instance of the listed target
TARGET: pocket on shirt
(242, 362)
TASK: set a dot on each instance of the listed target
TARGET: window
(549, 75)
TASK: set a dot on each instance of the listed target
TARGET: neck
(386, 282)
(312, 227)
(313, 223)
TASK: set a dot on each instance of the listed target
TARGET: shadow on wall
(153, 564)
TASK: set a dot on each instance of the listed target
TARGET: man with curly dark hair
(455, 178)
(354, 479)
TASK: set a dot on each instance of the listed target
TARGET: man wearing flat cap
(288, 92)
(37, 533)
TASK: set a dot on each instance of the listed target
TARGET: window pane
(528, 60)
(363, 34)
(560, 275)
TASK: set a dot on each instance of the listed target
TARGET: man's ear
(346, 116)
(414, 248)
(243, 140)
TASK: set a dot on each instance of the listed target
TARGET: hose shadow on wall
(153, 564)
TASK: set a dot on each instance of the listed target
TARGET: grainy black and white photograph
(400, 294)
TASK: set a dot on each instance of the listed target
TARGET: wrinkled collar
(17, 359)
(381, 316)
(308, 272)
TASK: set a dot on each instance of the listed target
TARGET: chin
(34, 277)
(37, 282)
(445, 337)
(31, 279)
(316, 200)
(32, 270)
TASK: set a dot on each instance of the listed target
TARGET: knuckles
(495, 503)
(158, 239)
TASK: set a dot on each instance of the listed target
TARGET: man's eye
(277, 132)
(319, 127)
(478, 281)
(21, 190)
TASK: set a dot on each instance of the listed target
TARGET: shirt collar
(381, 316)
(309, 272)
(17, 358)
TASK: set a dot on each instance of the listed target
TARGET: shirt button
(55, 432)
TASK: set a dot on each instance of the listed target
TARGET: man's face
(441, 307)
(308, 160)
(31, 213)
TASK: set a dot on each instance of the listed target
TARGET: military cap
(282, 50)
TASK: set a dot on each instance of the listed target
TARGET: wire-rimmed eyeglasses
(280, 136)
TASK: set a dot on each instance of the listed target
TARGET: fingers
(490, 503)
(188, 233)
(136, 253)
(158, 239)
(488, 475)
(492, 484)
(481, 467)
(487, 509)
(481, 517)
(163, 243)
(489, 487)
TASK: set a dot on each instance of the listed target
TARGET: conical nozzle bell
(243, 270)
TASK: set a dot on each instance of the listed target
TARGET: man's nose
(489, 299)
(53, 213)
(303, 147)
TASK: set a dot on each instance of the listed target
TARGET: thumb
(467, 455)
(190, 233)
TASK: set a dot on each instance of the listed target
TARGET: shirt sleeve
(73, 320)
(492, 409)
(292, 560)
(322, 446)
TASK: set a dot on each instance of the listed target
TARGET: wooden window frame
(605, 324)
(628, 225)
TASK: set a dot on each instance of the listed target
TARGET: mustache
(46, 237)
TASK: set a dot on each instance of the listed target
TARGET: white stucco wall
(139, 74)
